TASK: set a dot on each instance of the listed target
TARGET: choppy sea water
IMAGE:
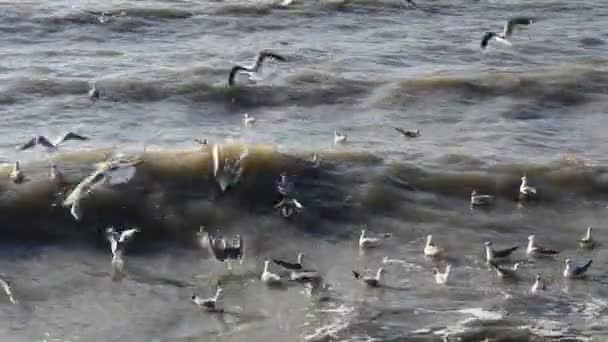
(359, 67)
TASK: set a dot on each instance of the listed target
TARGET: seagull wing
(287, 265)
(543, 250)
(356, 274)
(505, 252)
(7, 289)
(70, 136)
(127, 234)
(510, 25)
(486, 38)
(235, 69)
(31, 143)
(582, 269)
(401, 130)
(267, 54)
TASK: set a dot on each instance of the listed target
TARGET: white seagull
(526, 191)
(492, 254)
(370, 280)
(442, 278)
(118, 240)
(572, 271)
(506, 32)
(7, 289)
(248, 120)
(339, 138)
(209, 304)
(480, 200)
(586, 241)
(370, 242)
(539, 285)
(16, 174)
(430, 249)
(268, 277)
(94, 92)
(256, 68)
(536, 250)
(51, 146)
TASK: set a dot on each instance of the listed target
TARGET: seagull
(491, 254)
(209, 304)
(536, 250)
(7, 289)
(369, 280)
(268, 277)
(387, 261)
(56, 175)
(586, 241)
(75, 210)
(16, 174)
(94, 92)
(230, 171)
(430, 250)
(248, 120)
(316, 161)
(539, 285)
(289, 206)
(284, 186)
(201, 142)
(256, 68)
(51, 146)
(480, 200)
(306, 276)
(119, 239)
(526, 191)
(104, 17)
(442, 278)
(506, 273)
(339, 138)
(408, 134)
(203, 237)
(289, 265)
(370, 242)
(571, 271)
(507, 31)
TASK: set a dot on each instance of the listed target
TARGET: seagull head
(194, 297)
(538, 277)
(568, 262)
(516, 266)
(362, 233)
(300, 256)
(488, 243)
(531, 237)
(473, 193)
(429, 238)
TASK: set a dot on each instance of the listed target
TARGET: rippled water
(360, 67)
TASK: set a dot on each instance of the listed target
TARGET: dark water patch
(591, 41)
(244, 9)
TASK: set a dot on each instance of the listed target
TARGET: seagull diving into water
(506, 32)
(536, 250)
(254, 69)
(210, 304)
(492, 254)
(51, 146)
(572, 271)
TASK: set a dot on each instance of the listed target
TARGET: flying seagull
(52, 146)
(118, 240)
(7, 289)
(506, 32)
(256, 68)
(408, 134)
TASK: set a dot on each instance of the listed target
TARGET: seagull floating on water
(507, 31)
(526, 192)
(209, 304)
(442, 278)
(371, 242)
(539, 285)
(290, 265)
(536, 250)
(248, 120)
(430, 249)
(52, 146)
(370, 281)
(480, 200)
(105, 17)
(7, 289)
(572, 271)
(586, 241)
(118, 240)
(16, 174)
(492, 254)
(254, 69)
(506, 273)
(268, 277)
(339, 138)
(408, 134)
(94, 92)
